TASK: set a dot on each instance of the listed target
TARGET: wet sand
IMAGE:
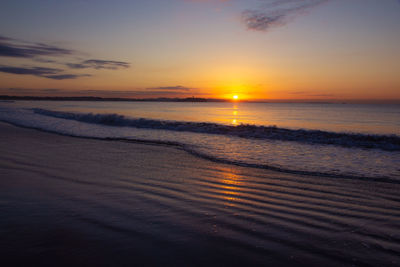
(72, 201)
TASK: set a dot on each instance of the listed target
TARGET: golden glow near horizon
(239, 64)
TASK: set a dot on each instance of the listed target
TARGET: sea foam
(367, 141)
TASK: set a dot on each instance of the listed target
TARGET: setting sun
(235, 97)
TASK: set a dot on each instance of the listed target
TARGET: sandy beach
(68, 201)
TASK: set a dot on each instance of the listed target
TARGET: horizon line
(198, 99)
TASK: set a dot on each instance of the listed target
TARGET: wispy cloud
(13, 48)
(309, 94)
(171, 88)
(99, 64)
(44, 60)
(135, 93)
(52, 90)
(50, 73)
(102, 93)
(3, 38)
(272, 13)
(43, 54)
(276, 13)
(66, 76)
(37, 71)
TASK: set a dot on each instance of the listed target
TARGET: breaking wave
(356, 140)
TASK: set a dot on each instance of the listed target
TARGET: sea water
(346, 140)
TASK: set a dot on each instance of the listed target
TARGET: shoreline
(217, 160)
(83, 201)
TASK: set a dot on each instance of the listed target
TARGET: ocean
(355, 141)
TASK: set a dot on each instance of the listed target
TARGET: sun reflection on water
(230, 187)
(235, 113)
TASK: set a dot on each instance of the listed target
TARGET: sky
(256, 49)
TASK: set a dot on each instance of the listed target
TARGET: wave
(290, 157)
(193, 151)
(357, 140)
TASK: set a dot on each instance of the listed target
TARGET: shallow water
(204, 130)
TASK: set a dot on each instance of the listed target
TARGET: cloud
(259, 21)
(13, 48)
(171, 88)
(134, 93)
(51, 90)
(99, 64)
(34, 92)
(276, 13)
(66, 76)
(39, 53)
(100, 93)
(298, 93)
(309, 94)
(44, 60)
(50, 73)
(322, 95)
(3, 38)
(37, 71)
(13, 89)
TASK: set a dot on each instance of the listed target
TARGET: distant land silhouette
(197, 99)
(94, 98)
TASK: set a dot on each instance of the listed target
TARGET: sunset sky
(256, 49)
